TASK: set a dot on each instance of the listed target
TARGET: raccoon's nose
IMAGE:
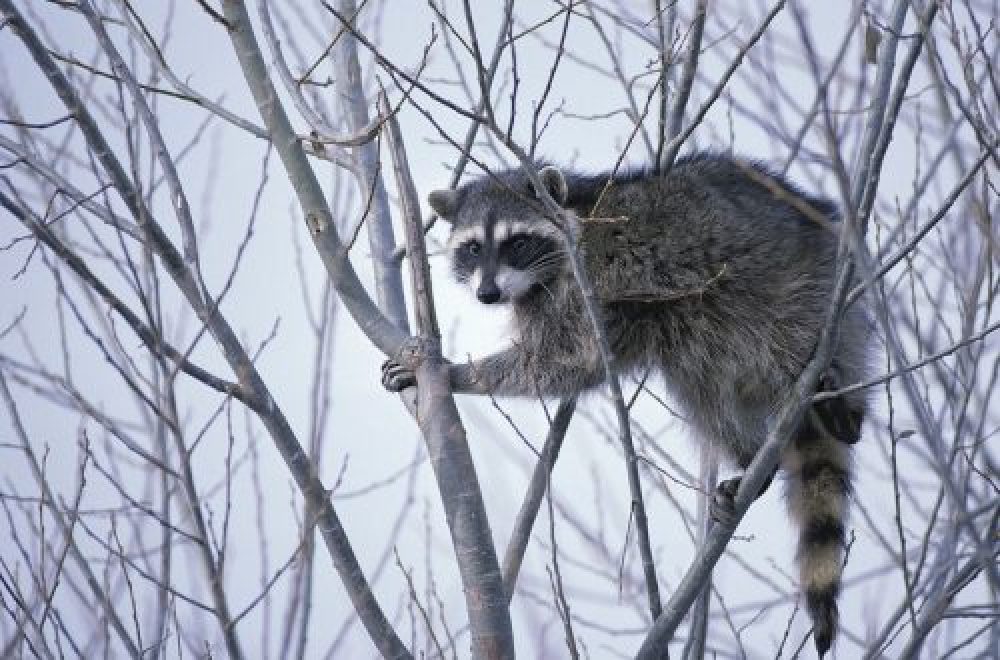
(488, 293)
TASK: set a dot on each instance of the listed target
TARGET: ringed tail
(818, 466)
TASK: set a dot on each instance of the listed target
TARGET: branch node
(416, 351)
(318, 221)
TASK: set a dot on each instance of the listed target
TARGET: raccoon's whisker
(541, 272)
(546, 261)
(549, 258)
(547, 290)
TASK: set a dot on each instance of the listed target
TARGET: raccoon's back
(709, 217)
(734, 277)
(714, 254)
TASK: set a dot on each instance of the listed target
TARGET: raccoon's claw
(397, 377)
(722, 508)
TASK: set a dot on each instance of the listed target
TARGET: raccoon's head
(501, 244)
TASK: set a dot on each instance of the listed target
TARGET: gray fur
(733, 267)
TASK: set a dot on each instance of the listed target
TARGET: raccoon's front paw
(397, 377)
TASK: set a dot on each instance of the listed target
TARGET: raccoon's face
(504, 261)
(500, 246)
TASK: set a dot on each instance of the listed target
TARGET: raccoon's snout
(488, 292)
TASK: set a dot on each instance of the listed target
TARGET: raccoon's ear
(444, 203)
(555, 183)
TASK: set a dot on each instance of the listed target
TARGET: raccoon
(720, 278)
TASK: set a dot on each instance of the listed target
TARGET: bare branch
(486, 604)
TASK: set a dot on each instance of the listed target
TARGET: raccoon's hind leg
(819, 482)
(835, 417)
(722, 508)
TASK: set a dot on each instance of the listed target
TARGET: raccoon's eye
(519, 242)
(473, 248)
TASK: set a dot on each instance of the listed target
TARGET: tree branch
(437, 415)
